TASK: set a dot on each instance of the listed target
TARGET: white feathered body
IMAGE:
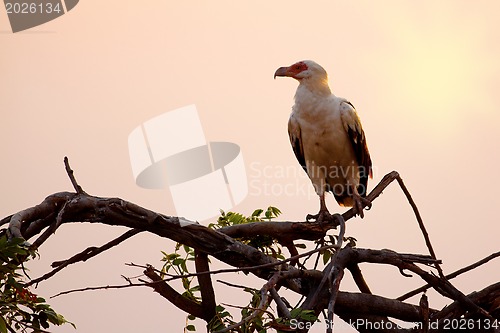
(323, 124)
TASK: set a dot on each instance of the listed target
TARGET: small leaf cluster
(265, 243)
(283, 325)
(20, 309)
(259, 324)
(326, 254)
(221, 320)
(177, 263)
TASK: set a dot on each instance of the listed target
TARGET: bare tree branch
(183, 303)
(358, 278)
(420, 223)
(282, 308)
(451, 275)
(206, 288)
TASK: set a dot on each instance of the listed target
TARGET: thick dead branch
(61, 208)
(424, 312)
(206, 288)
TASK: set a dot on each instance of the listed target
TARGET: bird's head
(303, 70)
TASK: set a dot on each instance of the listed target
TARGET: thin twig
(420, 223)
(234, 270)
(236, 285)
(71, 176)
(118, 286)
(84, 255)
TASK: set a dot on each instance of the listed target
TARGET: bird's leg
(323, 214)
(359, 202)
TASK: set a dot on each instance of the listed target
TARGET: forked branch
(321, 289)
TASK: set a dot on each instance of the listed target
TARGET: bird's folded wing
(352, 125)
(296, 141)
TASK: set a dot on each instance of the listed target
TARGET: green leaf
(333, 239)
(3, 325)
(300, 246)
(326, 256)
(257, 212)
(190, 328)
(178, 261)
(275, 211)
(172, 256)
(308, 315)
(184, 267)
(295, 312)
(186, 283)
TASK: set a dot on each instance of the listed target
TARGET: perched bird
(327, 139)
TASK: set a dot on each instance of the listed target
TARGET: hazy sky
(424, 77)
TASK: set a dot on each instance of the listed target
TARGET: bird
(328, 140)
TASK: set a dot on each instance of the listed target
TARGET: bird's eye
(300, 67)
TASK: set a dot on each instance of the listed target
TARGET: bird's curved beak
(282, 71)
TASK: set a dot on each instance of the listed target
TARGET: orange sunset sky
(424, 77)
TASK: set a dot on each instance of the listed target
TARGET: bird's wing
(296, 141)
(352, 125)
